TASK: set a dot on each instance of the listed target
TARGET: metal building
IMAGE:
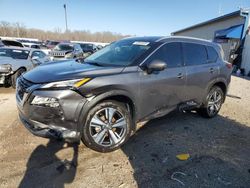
(230, 30)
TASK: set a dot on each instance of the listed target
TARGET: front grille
(58, 54)
(22, 86)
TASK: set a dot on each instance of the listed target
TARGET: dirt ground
(219, 150)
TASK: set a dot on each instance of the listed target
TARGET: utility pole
(65, 11)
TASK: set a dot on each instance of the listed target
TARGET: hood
(67, 70)
(5, 60)
(15, 64)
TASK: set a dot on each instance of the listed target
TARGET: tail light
(229, 65)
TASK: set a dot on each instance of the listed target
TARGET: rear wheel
(213, 103)
(17, 74)
(108, 126)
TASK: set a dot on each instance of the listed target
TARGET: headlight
(67, 84)
(69, 55)
(5, 68)
(45, 101)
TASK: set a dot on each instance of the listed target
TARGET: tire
(104, 134)
(14, 77)
(212, 104)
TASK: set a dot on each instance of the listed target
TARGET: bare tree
(19, 30)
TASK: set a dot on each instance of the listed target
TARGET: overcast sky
(133, 17)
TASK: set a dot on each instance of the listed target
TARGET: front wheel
(108, 126)
(213, 103)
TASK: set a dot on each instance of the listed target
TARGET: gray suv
(100, 99)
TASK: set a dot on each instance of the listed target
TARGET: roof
(226, 16)
(144, 39)
(166, 38)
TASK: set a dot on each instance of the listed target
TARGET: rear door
(201, 69)
(164, 89)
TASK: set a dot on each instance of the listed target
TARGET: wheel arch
(220, 83)
(22, 67)
(116, 95)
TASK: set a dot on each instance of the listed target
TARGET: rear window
(212, 54)
(194, 54)
(86, 46)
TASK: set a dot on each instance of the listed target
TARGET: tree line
(17, 29)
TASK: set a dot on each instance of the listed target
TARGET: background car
(88, 48)
(51, 44)
(31, 45)
(15, 61)
(66, 51)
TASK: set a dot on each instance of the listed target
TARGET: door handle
(180, 75)
(211, 70)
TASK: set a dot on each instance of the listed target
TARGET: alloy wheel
(214, 102)
(108, 127)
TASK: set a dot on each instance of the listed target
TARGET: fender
(92, 101)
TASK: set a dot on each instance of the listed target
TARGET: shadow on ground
(45, 169)
(219, 149)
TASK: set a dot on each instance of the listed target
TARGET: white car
(31, 45)
(14, 61)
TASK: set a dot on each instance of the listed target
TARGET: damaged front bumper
(59, 119)
(49, 131)
(5, 77)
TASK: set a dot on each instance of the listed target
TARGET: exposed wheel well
(22, 68)
(222, 86)
(123, 99)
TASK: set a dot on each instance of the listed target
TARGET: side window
(169, 53)
(35, 53)
(212, 54)
(194, 54)
(38, 54)
(42, 55)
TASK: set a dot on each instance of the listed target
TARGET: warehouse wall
(207, 31)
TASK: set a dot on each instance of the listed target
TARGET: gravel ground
(219, 150)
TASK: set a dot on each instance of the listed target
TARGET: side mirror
(35, 58)
(156, 65)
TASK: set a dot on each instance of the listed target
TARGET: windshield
(64, 47)
(14, 53)
(86, 46)
(121, 53)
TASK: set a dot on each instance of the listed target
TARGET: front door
(163, 90)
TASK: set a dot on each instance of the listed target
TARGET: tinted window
(169, 53)
(38, 54)
(12, 43)
(35, 46)
(212, 54)
(195, 54)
